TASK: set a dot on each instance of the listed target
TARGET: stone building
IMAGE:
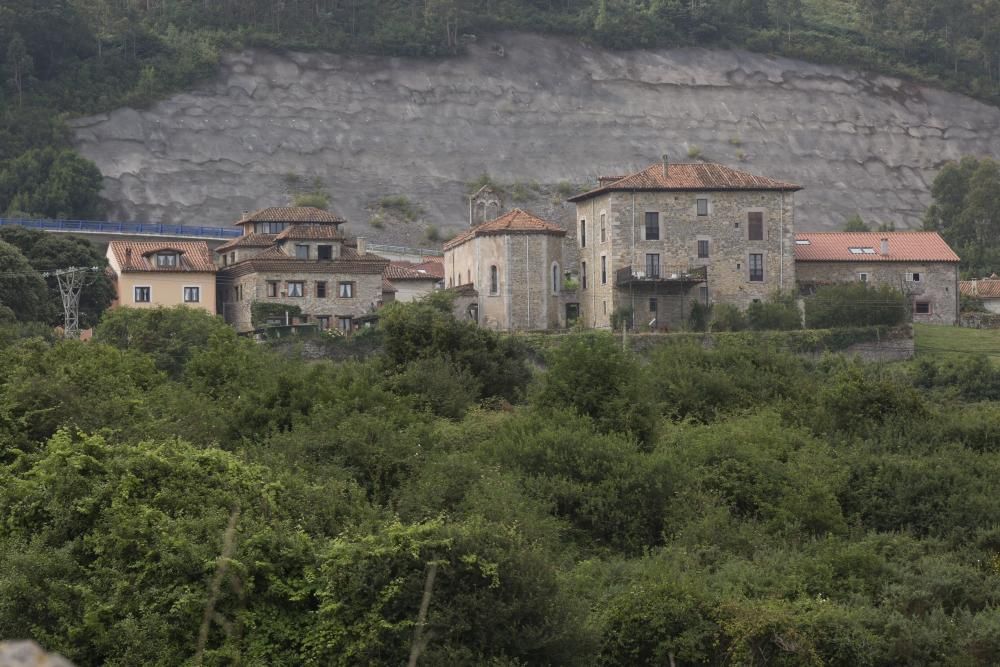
(654, 242)
(410, 281)
(297, 256)
(986, 290)
(163, 273)
(920, 264)
(513, 266)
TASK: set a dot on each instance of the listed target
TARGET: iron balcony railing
(136, 228)
(658, 274)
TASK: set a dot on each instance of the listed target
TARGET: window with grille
(756, 268)
(320, 290)
(652, 226)
(652, 265)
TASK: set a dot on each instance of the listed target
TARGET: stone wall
(423, 128)
(938, 284)
(367, 294)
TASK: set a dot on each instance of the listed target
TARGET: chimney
(666, 165)
(128, 256)
(885, 246)
(362, 246)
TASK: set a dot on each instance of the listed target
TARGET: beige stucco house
(297, 256)
(654, 242)
(163, 273)
(411, 281)
(920, 264)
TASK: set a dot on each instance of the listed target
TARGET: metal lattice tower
(71, 282)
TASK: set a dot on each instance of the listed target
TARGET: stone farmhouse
(297, 256)
(654, 242)
(920, 264)
(149, 274)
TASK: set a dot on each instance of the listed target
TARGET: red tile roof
(291, 214)
(687, 177)
(134, 256)
(410, 271)
(247, 241)
(903, 247)
(293, 265)
(985, 288)
(516, 221)
(433, 267)
(309, 232)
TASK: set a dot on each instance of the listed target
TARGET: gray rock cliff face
(548, 110)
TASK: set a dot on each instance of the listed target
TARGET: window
(142, 294)
(702, 248)
(652, 226)
(468, 277)
(604, 304)
(652, 265)
(321, 290)
(802, 242)
(555, 279)
(913, 277)
(225, 259)
(863, 277)
(324, 322)
(603, 235)
(270, 227)
(583, 275)
(301, 251)
(494, 280)
(324, 252)
(345, 290)
(583, 233)
(192, 294)
(755, 226)
(604, 270)
(232, 257)
(296, 288)
(652, 306)
(702, 206)
(861, 251)
(166, 260)
(922, 308)
(345, 323)
(756, 268)
(272, 288)
(703, 294)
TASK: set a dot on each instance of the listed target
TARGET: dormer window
(167, 260)
(271, 227)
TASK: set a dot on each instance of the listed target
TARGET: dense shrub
(779, 313)
(855, 305)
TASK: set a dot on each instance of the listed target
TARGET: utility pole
(71, 282)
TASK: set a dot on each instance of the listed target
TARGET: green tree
(50, 183)
(19, 65)
(856, 224)
(22, 289)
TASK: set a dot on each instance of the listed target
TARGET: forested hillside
(81, 56)
(171, 494)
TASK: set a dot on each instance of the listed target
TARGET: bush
(727, 317)
(700, 316)
(855, 305)
(779, 313)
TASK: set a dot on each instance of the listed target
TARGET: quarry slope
(526, 109)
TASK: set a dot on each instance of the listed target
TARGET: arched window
(494, 280)
(555, 278)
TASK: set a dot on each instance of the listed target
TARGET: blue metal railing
(405, 250)
(137, 228)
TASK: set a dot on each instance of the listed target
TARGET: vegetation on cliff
(171, 493)
(67, 57)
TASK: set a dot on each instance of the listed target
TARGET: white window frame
(863, 277)
(149, 293)
(197, 291)
(914, 277)
(163, 256)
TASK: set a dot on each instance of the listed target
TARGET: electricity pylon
(71, 282)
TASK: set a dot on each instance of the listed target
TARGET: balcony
(657, 275)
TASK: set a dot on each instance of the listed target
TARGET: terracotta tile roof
(291, 214)
(292, 265)
(903, 247)
(138, 256)
(247, 241)
(984, 288)
(410, 271)
(687, 177)
(351, 253)
(516, 221)
(310, 232)
(387, 286)
(433, 267)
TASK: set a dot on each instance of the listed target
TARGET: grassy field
(941, 341)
